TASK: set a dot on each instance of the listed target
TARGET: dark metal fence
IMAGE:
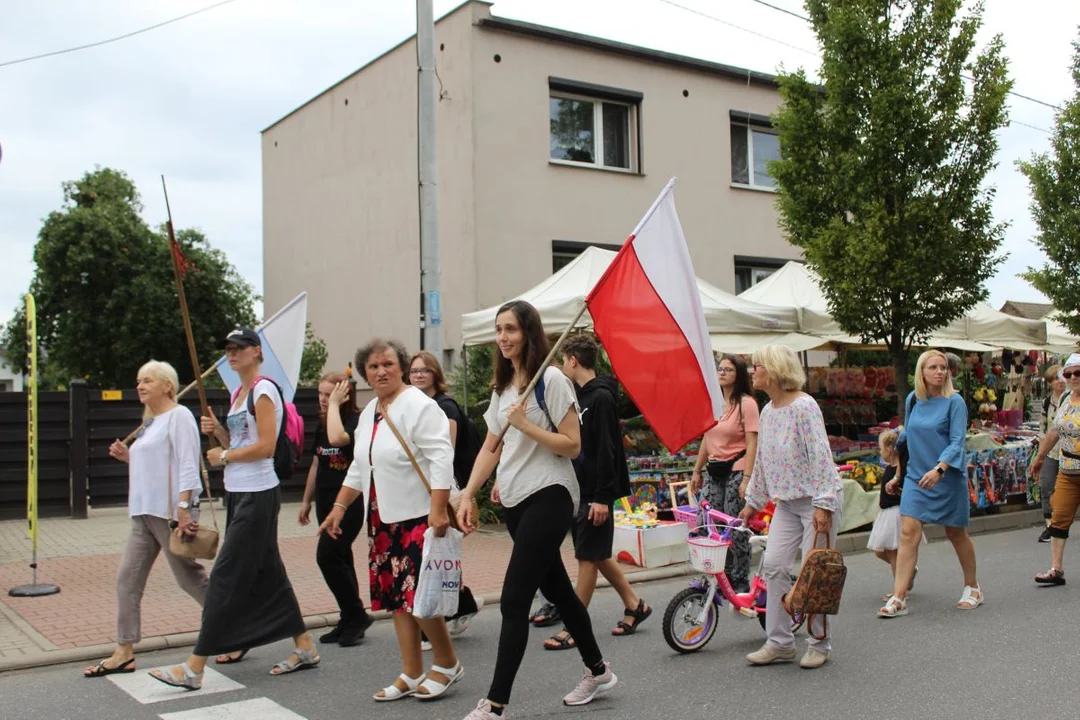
(75, 429)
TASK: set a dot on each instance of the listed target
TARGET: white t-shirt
(525, 466)
(150, 462)
(258, 475)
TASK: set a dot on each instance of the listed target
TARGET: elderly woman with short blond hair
(795, 468)
(163, 460)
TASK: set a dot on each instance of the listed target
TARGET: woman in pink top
(729, 449)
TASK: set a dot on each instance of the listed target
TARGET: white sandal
(894, 607)
(391, 692)
(433, 688)
(970, 600)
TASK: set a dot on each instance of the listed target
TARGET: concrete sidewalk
(82, 556)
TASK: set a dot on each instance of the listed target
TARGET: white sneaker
(425, 646)
(769, 654)
(591, 686)
(461, 624)
(483, 712)
(813, 658)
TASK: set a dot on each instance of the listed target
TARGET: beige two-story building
(548, 142)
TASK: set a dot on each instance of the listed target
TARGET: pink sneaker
(483, 712)
(591, 686)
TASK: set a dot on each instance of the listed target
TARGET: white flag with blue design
(282, 339)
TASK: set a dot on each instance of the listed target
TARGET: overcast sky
(188, 100)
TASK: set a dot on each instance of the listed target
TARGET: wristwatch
(224, 458)
(184, 505)
(939, 469)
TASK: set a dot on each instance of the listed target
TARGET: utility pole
(430, 273)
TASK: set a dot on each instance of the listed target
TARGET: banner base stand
(37, 590)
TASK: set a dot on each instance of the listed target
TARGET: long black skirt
(249, 601)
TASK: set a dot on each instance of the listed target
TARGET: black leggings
(335, 556)
(538, 526)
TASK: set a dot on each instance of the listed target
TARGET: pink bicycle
(692, 615)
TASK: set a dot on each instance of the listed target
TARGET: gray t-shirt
(525, 466)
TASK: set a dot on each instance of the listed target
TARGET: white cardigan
(423, 425)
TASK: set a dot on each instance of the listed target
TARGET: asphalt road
(1017, 656)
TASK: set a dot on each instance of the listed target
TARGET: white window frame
(750, 130)
(598, 133)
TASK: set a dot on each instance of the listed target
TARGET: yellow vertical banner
(32, 421)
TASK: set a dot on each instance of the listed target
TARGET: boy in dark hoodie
(603, 477)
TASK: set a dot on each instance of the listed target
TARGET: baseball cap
(242, 336)
(1073, 360)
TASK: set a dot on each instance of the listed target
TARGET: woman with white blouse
(400, 510)
(165, 451)
(795, 468)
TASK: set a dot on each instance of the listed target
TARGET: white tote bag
(440, 575)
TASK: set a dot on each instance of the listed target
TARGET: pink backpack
(290, 439)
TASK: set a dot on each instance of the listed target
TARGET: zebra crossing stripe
(146, 689)
(261, 708)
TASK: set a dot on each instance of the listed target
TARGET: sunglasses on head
(1067, 374)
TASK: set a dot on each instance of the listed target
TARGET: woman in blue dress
(935, 488)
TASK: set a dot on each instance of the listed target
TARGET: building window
(563, 252)
(593, 125)
(747, 275)
(753, 145)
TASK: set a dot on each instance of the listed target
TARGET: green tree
(1054, 178)
(313, 360)
(882, 169)
(473, 375)
(105, 294)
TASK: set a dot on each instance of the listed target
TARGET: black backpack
(467, 447)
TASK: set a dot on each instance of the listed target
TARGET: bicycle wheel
(682, 632)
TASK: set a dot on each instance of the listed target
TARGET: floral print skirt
(394, 551)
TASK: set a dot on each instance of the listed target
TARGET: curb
(851, 544)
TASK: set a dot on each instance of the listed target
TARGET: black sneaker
(354, 632)
(1045, 536)
(333, 636)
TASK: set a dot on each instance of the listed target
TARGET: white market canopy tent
(735, 324)
(1058, 337)
(983, 329)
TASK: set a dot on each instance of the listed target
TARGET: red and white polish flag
(647, 313)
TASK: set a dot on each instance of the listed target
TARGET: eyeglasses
(724, 370)
(1069, 375)
(420, 372)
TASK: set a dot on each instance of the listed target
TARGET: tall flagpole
(178, 274)
(33, 589)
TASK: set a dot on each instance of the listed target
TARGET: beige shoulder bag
(204, 545)
(416, 466)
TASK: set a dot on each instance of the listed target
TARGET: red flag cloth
(647, 313)
(178, 256)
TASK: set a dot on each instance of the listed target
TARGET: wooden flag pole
(547, 361)
(177, 274)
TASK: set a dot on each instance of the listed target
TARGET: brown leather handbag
(819, 586)
(204, 545)
(416, 466)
